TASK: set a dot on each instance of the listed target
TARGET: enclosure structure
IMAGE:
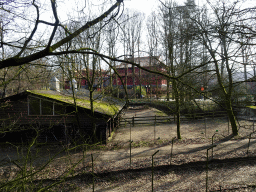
(59, 117)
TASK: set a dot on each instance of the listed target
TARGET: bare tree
(153, 47)
(221, 37)
(111, 35)
(27, 51)
(131, 33)
(177, 38)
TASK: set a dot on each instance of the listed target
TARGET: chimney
(55, 84)
(74, 84)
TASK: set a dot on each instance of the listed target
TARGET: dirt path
(144, 145)
(115, 173)
(220, 151)
(193, 129)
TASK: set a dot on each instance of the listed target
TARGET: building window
(33, 106)
(58, 109)
(37, 106)
(46, 107)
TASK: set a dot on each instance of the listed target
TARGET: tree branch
(17, 61)
(32, 33)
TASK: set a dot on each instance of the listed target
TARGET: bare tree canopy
(30, 47)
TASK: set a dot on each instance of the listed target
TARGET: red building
(146, 79)
(131, 76)
(82, 78)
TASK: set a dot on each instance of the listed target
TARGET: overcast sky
(147, 6)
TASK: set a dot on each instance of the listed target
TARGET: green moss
(252, 107)
(111, 136)
(99, 106)
(160, 113)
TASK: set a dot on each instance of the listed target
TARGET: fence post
(84, 153)
(155, 129)
(118, 119)
(212, 141)
(153, 170)
(228, 125)
(130, 145)
(131, 153)
(92, 174)
(133, 121)
(171, 149)
(204, 123)
(253, 124)
(249, 143)
(205, 128)
(206, 187)
(130, 131)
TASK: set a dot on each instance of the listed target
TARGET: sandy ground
(193, 129)
(182, 170)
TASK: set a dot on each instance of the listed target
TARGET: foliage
(143, 90)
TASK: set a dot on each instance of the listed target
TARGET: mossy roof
(252, 107)
(109, 106)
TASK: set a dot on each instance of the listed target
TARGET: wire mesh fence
(179, 165)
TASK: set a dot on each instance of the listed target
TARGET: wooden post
(212, 141)
(153, 170)
(112, 124)
(65, 127)
(205, 124)
(253, 125)
(206, 187)
(40, 107)
(28, 106)
(249, 143)
(110, 128)
(92, 175)
(118, 121)
(130, 145)
(155, 129)
(171, 149)
(228, 126)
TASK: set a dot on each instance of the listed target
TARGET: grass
(160, 113)
(141, 144)
(152, 143)
(111, 136)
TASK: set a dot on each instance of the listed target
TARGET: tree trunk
(92, 115)
(232, 118)
(177, 103)
(168, 90)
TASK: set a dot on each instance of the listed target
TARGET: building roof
(251, 107)
(105, 105)
(252, 79)
(143, 61)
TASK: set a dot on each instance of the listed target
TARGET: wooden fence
(156, 120)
